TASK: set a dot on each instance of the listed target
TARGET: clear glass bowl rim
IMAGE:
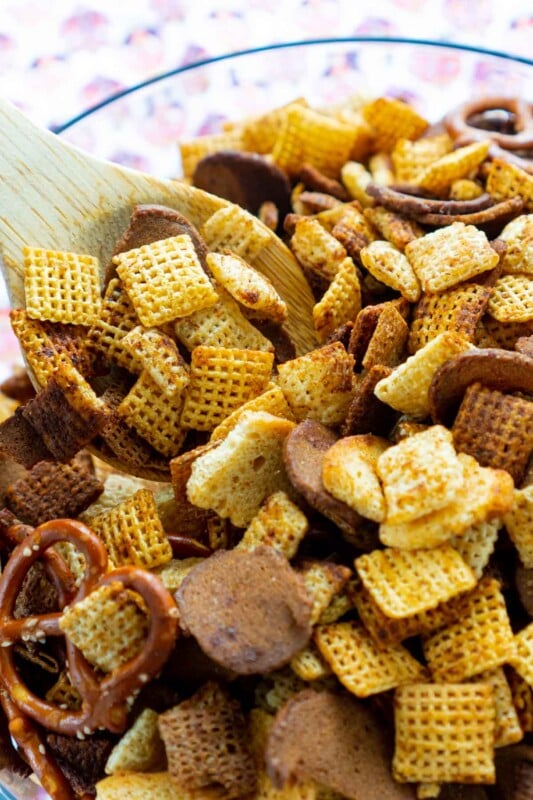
(286, 45)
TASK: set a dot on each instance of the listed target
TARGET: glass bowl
(140, 127)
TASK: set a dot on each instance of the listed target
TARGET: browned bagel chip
(505, 370)
(247, 179)
(336, 741)
(249, 611)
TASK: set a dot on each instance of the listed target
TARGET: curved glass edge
(286, 45)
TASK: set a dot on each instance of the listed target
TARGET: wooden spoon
(55, 196)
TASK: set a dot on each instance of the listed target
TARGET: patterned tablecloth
(56, 59)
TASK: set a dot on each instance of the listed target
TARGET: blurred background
(59, 58)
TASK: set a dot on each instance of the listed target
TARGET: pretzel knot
(104, 700)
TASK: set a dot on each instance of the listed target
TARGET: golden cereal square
(192, 151)
(165, 280)
(508, 180)
(220, 325)
(362, 667)
(411, 158)
(221, 380)
(319, 385)
(519, 524)
(316, 248)
(522, 661)
(132, 532)
(233, 228)
(259, 133)
(405, 582)
(279, 523)
(272, 400)
(479, 639)
(512, 298)
(309, 665)
(35, 343)
(158, 355)
(109, 625)
(444, 733)
(518, 236)
(420, 474)
(236, 476)
(438, 176)
(391, 120)
(477, 543)
(137, 786)
(61, 286)
(323, 581)
(507, 724)
(450, 255)
(522, 693)
(406, 389)
(154, 416)
(349, 474)
(393, 227)
(340, 303)
(140, 749)
(390, 266)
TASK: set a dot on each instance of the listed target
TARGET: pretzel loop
(104, 701)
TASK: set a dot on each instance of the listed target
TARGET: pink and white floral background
(60, 57)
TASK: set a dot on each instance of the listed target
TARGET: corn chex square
(407, 388)
(35, 343)
(323, 581)
(233, 228)
(410, 159)
(140, 749)
(309, 665)
(420, 474)
(450, 255)
(444, 733)
(512, 298)
(508, 180)
(194, 150)
(61, 286)
(438, 176)
(319, 385)
(355, 177)
(220, 325)
(522, 693)
(132, 532)
(165, 280)
(221, 380)
(477, 543)
(279, 523)
(236, 476)
(259, 133)
(519, 524)
(392, 120)
(316, 248)
(109, 625)
(405, 582)
(518, 236)
(351, 229)
(393, 227)
(155, 417)
(137, 786)
(349, 474)
(272, 400)
(507, 729)
(340, 303)
(479, 639)
(390, 266)
(157, 355)
(522, 661)
(341, 604)
(360, 666)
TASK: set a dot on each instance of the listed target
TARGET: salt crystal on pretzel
(132, 532)
(410, 159)
(507, 729)
(349, 472)
(420, 474)
(221, 380)
(141, 748)
(157, 354)
(51, 491)
(479, 639)
(319, 384)
(252, 289)
(450, 255)
(148, 410)
(316, 249)
(444, 733)
(495, 428)
(508, 180)
(109, 626)
(221, 325)
(406, 388)
(61, 286)
(522, 661)
(405, 582)
(391, 120)
(137, 786)
(165, 280)
(356, 178)
(360, 666)
(192, 151)
(233, 228)
(519, 523)
(457, 310)
(340, 303)
(438, 176)
(391, 267)
(235, 477)
(518, 236)
(279, 523)
(512, 298)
